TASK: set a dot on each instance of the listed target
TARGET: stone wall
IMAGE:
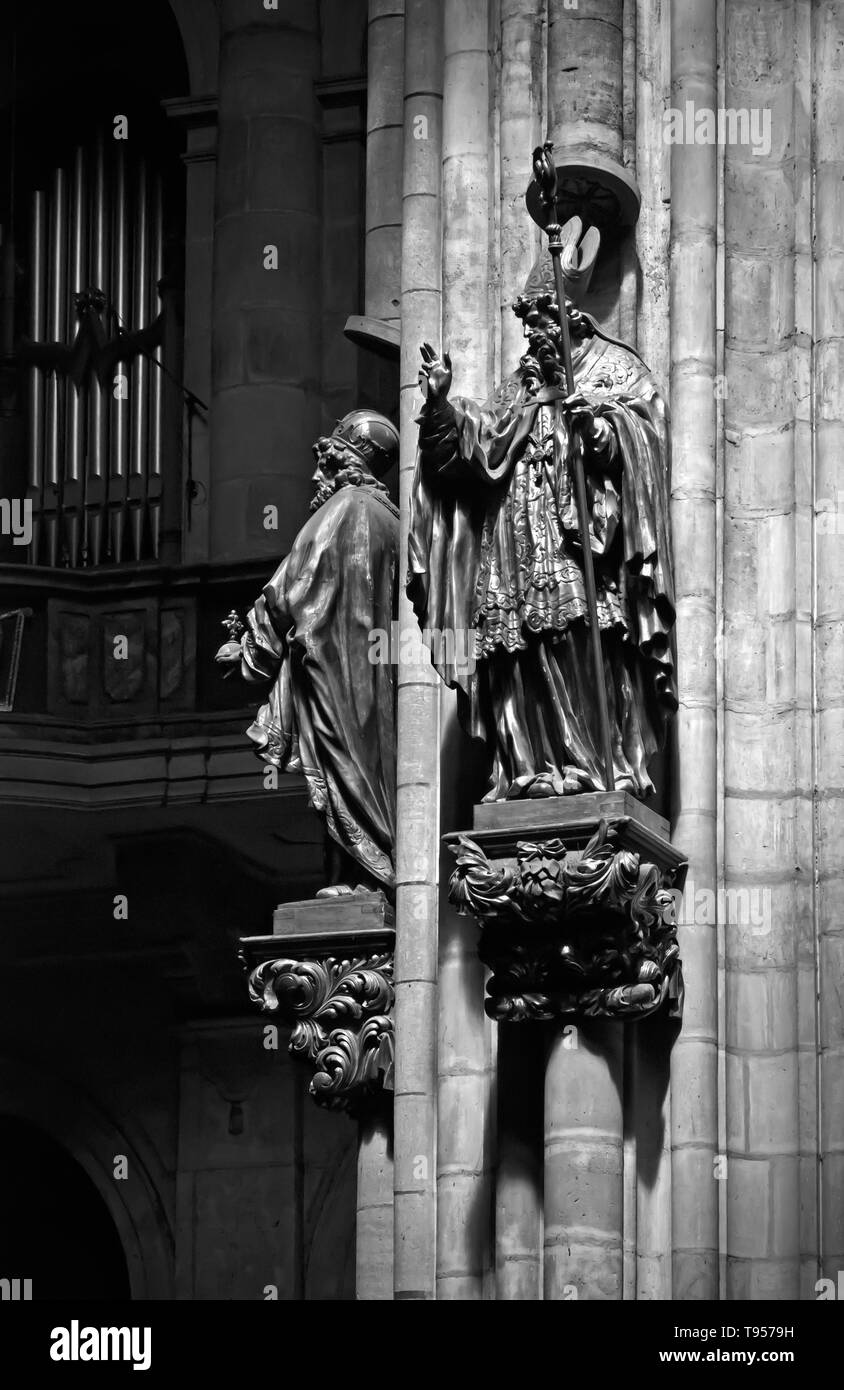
(724, 1193)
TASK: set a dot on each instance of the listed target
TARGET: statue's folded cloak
(493, 544)
(331, 711)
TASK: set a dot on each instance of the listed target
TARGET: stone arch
(199, 26)
(92, 1138)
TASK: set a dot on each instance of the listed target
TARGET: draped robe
(331, 710)
(494, 550)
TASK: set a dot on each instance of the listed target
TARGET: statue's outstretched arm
(262, 648)
(464, 440)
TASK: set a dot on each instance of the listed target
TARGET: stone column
(694, 1062)
(418, 831)
(521, 122)
(583, 1162)
(384, 143)
(374, 1229)
(585, 78)
(266, 322)
(767, 674)
(653, 82)
(828, 35)
(518, 1179)
(463, 1123)
(651, 1102)
(583, 1109)
(585, 118)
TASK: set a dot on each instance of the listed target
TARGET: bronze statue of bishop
(495, 549)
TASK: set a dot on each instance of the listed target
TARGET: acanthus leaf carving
(570, 932)
(340, 1011)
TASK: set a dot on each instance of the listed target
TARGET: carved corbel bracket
(334, 986)
(577, 924)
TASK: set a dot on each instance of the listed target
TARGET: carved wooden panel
(116, 661)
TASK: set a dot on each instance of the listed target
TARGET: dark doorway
(55, 1228)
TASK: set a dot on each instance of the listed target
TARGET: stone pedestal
(327, 970)
(576, 901)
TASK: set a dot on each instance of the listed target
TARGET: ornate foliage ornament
(340, 1011)
(588, 932)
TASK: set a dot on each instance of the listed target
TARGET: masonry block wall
(731, 288)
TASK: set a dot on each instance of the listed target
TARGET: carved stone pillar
(384, 140)
(327, 972)
(418, 700)
(576, 901)
(586, 96)
(693, 347)
(828, 426)
(464, 1043)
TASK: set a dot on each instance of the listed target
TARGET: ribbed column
(266, 326)
(418, 830)
(767, 568)
(583, 1108)
(808, 1034)
(650, 1101)
(374, 1223)
(583, 1162)
(585, 77)
(694, 1063)
(463, 1124)
(828, 37)
(382, 299)
(650, 1104)
(653, 82)
(384, 143)
(521, 117)
(518, 1179)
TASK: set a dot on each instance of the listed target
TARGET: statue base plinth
(576, 901)
(327, 971)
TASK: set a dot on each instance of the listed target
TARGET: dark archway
(55, 1228)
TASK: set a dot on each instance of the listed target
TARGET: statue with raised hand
(330, 712)
(539, 524)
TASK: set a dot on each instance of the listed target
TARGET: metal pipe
(156, 384)
(138, 372)
(95, 483)
(118, 462)
(35, 397)
(76, 396)
(56, 327)
(7, 290)
(154, 307)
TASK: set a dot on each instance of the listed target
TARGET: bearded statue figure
(330, 713)
(495, 549)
